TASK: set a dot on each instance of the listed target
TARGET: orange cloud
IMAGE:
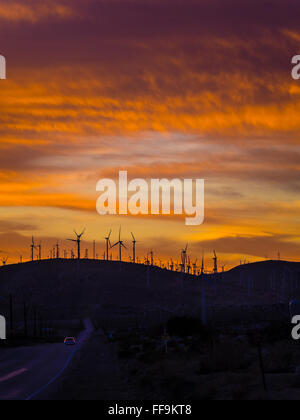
(16, 11)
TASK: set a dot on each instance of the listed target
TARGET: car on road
(70, 341)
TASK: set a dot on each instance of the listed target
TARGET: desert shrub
(280, 359)
(277, 331)
(125, 354)
(178, 388)
(147, 382)
(295, 381)
(187, 326)
(151, 357)
(156, 330)
(228, 356)
(204, 392)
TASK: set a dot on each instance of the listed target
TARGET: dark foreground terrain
(150, 341)
(198, 367)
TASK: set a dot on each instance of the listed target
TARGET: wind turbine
(4, 260)
(40, 251)
(195, 267)
(183, 258)
(121, 245)
(78, 240)
(203, 297)
(151, 258)
(94, 250)
(108, 245)
(133, 248)
(33, 247)
(57, 251)
(202, 265)
(188, 265)
(215, 258)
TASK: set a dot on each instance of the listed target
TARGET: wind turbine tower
(184, 258)
(40, 251)
(121, 245)
(195, 267)
(78, 241)
(133, 248)
(33, 247)
(202, 265)
(151, 258)
(108, 245)
(4, 260)
(215, 258)
(57, 251)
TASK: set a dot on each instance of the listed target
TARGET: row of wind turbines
(185, 265)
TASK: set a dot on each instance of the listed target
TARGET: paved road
(28, 372)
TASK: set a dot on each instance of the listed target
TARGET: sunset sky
(160, 88)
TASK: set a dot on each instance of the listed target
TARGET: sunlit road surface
(27, 373)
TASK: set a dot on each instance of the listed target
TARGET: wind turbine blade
(115, 244)
(123, 246)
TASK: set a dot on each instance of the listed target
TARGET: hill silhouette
(69, 289)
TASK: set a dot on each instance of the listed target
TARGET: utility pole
(11, 312)
(34, 322)
(41, 327)
(25, 320)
